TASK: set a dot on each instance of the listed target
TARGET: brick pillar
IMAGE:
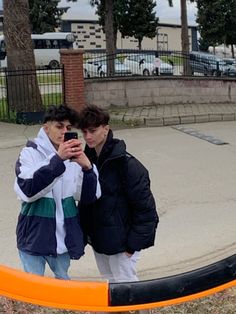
(73, 87)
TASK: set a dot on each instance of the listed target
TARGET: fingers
(73, 142)
(68, 149)
(73, 150)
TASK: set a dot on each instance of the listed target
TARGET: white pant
(118, 267)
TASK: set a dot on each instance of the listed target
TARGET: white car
(98, 68)
(147, 64)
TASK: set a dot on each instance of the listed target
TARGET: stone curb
(173, 120)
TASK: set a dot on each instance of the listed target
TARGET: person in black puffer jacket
(124, 220)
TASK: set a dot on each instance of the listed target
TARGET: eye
(69, 128)
(92, 130)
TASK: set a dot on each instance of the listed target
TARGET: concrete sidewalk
(162, 115)
(148, 116)
(193, 182)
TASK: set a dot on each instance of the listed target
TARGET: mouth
(90, 144)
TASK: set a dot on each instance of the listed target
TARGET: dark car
(230, 71)
(207, 64)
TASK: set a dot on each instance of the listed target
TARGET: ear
(106, 128)
(46, 127)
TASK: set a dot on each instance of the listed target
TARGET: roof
(80, 14)
(87, 14)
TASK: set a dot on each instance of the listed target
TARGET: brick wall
(73, 85)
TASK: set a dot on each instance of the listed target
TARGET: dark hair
(61, 113)
(92, 116)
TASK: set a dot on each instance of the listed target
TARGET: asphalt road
(193, 182)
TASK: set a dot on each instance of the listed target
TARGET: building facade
(90, 35)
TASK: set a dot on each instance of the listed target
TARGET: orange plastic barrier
(75, 295)
(66, 294)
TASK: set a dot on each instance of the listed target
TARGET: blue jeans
(36, 264)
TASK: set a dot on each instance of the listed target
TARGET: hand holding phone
(79, 156)
(70, 136)
(70, 147)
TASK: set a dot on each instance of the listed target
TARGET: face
(95, 137)
(55, 130)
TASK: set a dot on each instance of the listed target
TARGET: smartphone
(70, 135)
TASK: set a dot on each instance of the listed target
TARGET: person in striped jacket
(53, 176)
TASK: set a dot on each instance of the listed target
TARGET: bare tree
(22, 86)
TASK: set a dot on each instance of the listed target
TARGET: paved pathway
(161, 115)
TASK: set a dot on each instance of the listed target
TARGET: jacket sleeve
(89, 189)
(143, 214)
(34, 180)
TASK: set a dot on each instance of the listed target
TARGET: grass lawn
(44, 78)
(8, 115)
(220, 303)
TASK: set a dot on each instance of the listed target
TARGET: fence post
(73, 87)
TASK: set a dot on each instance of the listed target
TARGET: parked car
(147, 64)
(98, 68)
(230, 61)
(208, 64)
(230, 71)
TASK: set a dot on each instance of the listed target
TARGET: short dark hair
(92, 116)
(61, 113)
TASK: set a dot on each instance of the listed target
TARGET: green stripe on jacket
(46, 207)
(69, 207)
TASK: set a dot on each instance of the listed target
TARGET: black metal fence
(161, 63)
(24, 94)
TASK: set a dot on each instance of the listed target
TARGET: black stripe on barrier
(172, 287)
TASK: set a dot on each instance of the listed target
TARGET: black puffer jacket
(125, 217)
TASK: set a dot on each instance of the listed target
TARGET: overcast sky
(163, 10)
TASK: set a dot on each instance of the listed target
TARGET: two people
(119, 223)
